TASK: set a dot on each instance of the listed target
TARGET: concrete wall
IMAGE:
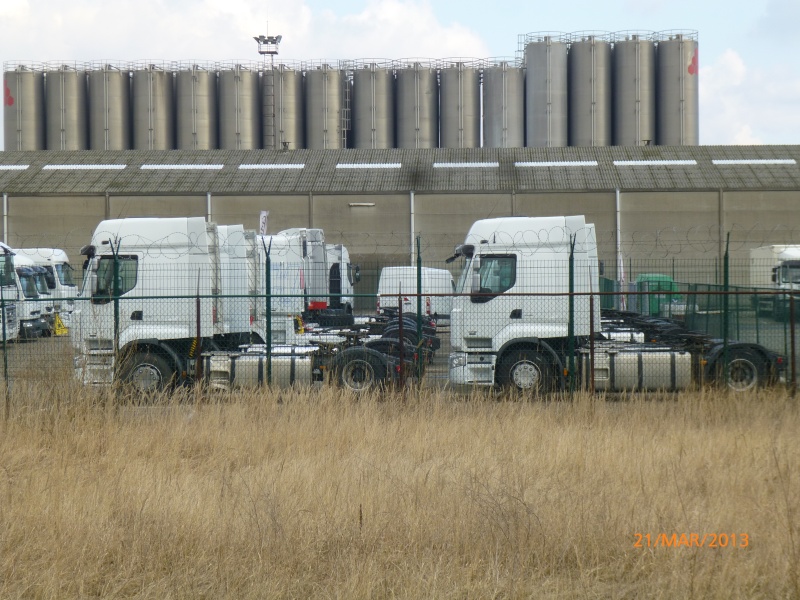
(677, 231)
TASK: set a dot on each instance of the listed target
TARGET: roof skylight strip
(254, 167)
(13, 167)
(466, 165)
(562, 163)
(83, 167)
(369, 165)
(755, 161)
(653, 163)
(181, 167)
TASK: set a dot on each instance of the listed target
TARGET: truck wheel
(526, 370)
(360, 372)
(745, 371)
(147, 373)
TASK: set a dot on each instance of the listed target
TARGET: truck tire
(359, 370)
(746, 370)
(526, 370)
(147, 373)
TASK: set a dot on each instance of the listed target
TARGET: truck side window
(128, 272)
(498, 275)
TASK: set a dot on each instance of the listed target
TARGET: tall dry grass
(316, 494)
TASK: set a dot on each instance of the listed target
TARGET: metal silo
(503, 106)
(23, 114)
(546, 111)
(239, 109)
(417, 106)
(110, 108)
(283, 108)
(196, 115)
(460, 119)
(324, 108)
(634, 90)
(153, 109)
(373, 106)
(66, 110)
(590, 90)
(678, 101)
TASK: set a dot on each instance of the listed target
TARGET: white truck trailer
(512, 324)
(775, 268)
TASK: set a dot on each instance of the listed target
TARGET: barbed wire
(691, 243)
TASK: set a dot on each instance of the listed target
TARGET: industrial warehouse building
(647, 202)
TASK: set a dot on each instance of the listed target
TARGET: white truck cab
(34, 308)
(59, 276)
(10, 294)
(504, 329)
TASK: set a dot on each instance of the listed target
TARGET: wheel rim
(526, 375)
(742, 374)
(146, 378)
(358, 375)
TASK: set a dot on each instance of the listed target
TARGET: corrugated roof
(467, 170)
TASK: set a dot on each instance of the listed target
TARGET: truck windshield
(50, 277)
(27, 282)
(64, 272)
(790, 274)
(41, 284)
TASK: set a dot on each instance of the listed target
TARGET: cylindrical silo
(678, 101)
(23, 114)
(634, 91)
(239, 109)
(460, 118)
(503, 106)
(373, 107)
(153, 109)
(283, 108)
(323, 108)
(66, 109)
(590, 91)
(417, 107)
(196, 115)
(110, 108)
(546, 113)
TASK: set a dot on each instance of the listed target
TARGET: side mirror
(774, 274)
(476, 275)
(94, 264)
(356, 274)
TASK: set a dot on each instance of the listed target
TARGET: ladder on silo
(347, 77)
(269, 105)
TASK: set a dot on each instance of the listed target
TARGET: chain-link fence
(157, 320)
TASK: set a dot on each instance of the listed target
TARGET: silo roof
(356, 171)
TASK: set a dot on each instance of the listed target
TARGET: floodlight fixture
(268, 44)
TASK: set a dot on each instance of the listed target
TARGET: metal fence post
(571, 318)
(268, 306)
(725, 308)
(419, 311)
(116, 292)
(7, 411)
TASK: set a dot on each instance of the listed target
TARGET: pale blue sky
(749, 77)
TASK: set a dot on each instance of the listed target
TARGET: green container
(652, 303)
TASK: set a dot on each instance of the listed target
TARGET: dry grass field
(320, 495)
